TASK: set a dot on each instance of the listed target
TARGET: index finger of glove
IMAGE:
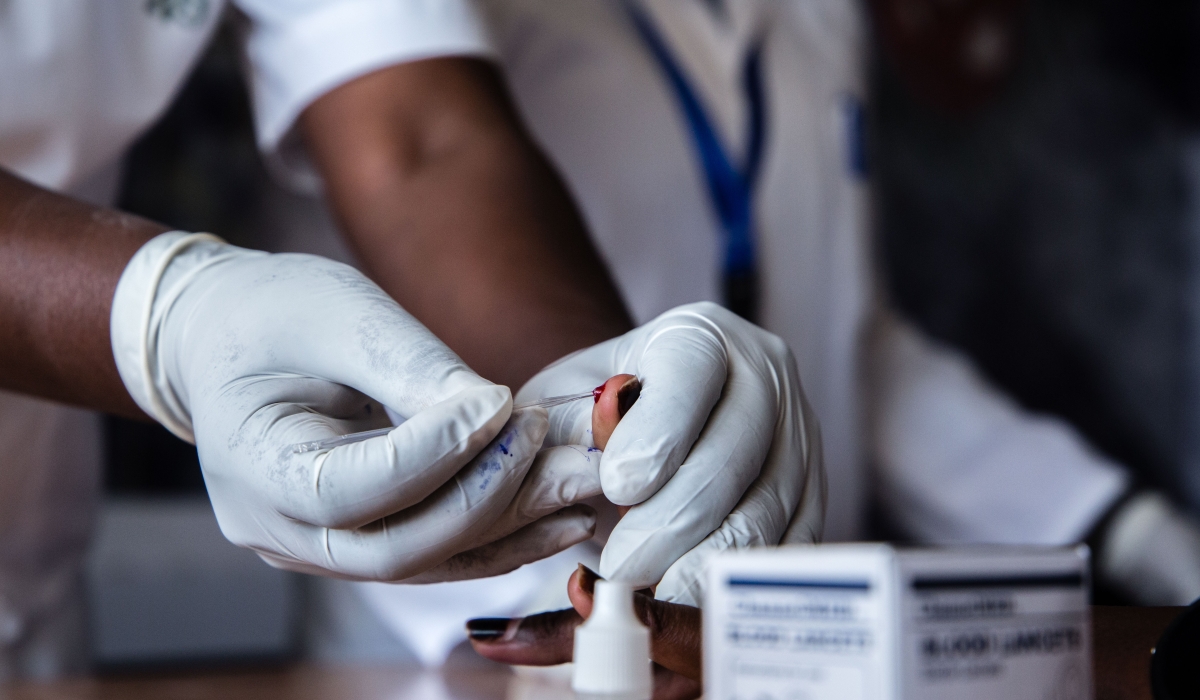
(683, 370)
(404, 544)
(352, 485)
(451, 519)
(784, 505)
(560, 477)
(543, 518)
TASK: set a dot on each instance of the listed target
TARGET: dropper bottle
(612, 648)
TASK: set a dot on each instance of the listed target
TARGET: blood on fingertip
(612, 400)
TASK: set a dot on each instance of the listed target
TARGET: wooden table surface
(1123, 638)
(1121, 642)
(302, 682)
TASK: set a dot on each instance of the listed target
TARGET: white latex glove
(544, 518)
(720, 451)
(1151, 552)
(246, 354)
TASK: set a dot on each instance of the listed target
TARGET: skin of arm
(60, 261)
(457, 214)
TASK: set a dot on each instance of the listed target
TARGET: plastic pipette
(330, 443)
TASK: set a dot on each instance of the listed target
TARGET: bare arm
(59, 264)
(457, 214)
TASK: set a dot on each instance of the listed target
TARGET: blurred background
(1036, 179)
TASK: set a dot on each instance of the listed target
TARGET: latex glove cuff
(154, 278)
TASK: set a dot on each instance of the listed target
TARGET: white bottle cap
(612, 648)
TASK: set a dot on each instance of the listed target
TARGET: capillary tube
(330, 443)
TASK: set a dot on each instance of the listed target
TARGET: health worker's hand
(247, 354)
(720, 450)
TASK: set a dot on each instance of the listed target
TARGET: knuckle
(652, 615)
(707, 308)
(395, 568)
(777, 347)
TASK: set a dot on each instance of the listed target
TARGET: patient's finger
(669, 685)
(616, 397)
(548, 639)
(675, 630)
(545, 639)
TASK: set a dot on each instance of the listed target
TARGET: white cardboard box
(870, 621)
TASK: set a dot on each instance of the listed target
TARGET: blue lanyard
(730, 189)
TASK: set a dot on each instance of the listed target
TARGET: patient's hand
(548, 638)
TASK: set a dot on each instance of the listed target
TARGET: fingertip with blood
(581, 588)
(613, 399)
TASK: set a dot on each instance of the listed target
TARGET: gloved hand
(721, 449)
(544, 518)
(1150, 551)
(246, 354)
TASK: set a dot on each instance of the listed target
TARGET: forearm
(455, 212)
(60, 261)
(956, 457)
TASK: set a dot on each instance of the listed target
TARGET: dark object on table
(1122, 639)
(1174, 671)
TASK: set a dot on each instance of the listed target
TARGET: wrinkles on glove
(785, 505)
(559, 477)
(451, 520)
(351, 485)
(720, 451)
(720, 468)
(538, 540)
(683, 375)
(251, 353)
(544, 518)
(547, 516)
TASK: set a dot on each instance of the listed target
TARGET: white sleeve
(958, 461)
(300, 49)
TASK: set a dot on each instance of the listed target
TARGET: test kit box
(870, 621)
